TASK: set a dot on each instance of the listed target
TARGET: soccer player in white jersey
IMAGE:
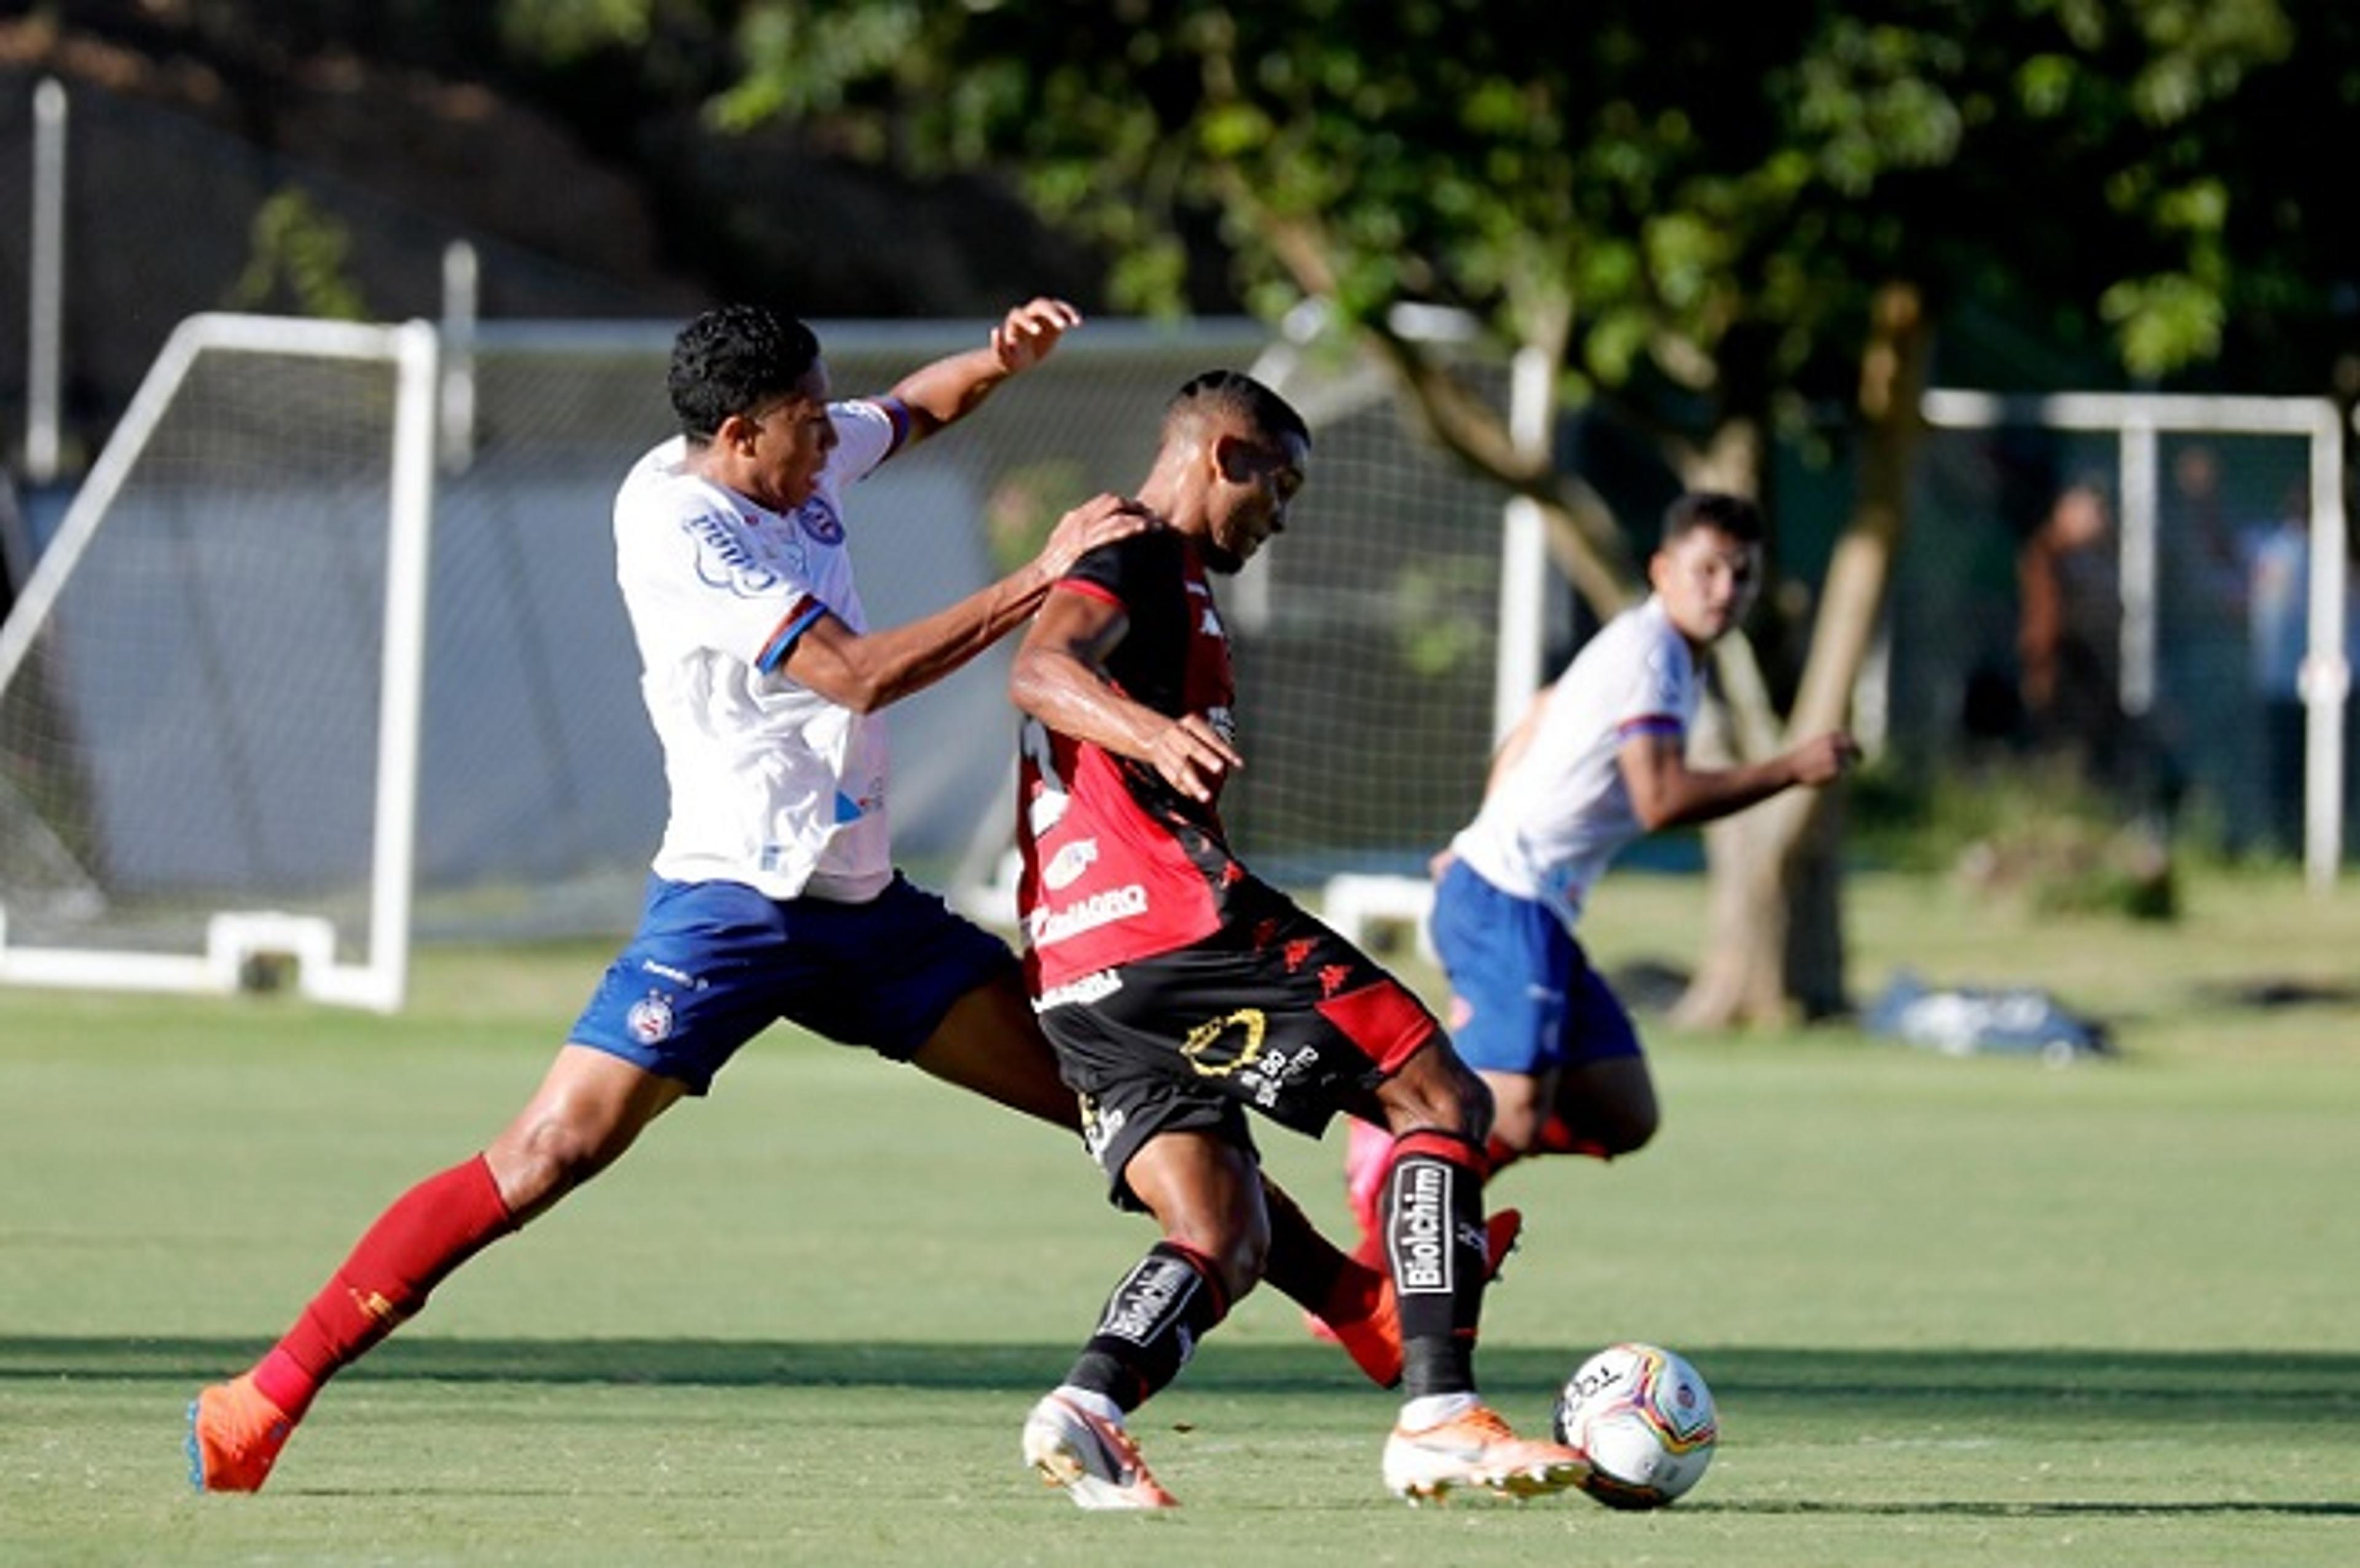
(1598, 759)
(773, 894)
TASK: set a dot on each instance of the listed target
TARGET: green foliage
(562, 31)
(1661, 195)
(299, 263)
(1023, 509)
(1439, 616)
(2029, 833)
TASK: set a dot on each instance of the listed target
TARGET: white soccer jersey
(1562, 812)
(772, 784)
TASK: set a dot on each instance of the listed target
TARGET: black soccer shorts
(1274, 1012)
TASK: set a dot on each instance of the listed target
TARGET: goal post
(290, 688)
(151, 690)
(2136, 423)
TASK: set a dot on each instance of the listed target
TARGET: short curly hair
(731, 360)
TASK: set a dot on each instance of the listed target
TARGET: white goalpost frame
(2136, 419)
(234, 937)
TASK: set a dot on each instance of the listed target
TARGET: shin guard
(1434, 1245)
(1150, 1326)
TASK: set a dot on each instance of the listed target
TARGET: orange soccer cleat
(1475, 1448)
(1092, 1458)
(235, 1436)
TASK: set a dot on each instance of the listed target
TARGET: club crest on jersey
(818, 519)
(649, 1019)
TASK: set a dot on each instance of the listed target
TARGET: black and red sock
(1168, 1301)
(1432, 1211)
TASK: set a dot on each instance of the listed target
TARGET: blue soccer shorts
(1522, 996)
(714, 963)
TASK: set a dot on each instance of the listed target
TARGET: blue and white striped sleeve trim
(1649, 724)
(798, 620)
(868, 417)
(899, 412)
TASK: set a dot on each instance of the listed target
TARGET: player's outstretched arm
(1060, 678)
(951, 389)
(1666, 792)
(871, 670)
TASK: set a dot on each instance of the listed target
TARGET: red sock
(428, 1232)
(1554, 1138)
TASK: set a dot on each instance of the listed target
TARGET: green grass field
(1956, 1311)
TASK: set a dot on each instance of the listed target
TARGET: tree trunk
(1773, 932)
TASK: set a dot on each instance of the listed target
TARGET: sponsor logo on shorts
(1250, 1023)
(1094, 987)
(1099, 1128)
(1046, 928)
(1275, 1071)
(649, 1019)
(1142, 1302)
(1069, 863)
(666, 972)
(1422, 1229)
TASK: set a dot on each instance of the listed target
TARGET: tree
(1717, 223)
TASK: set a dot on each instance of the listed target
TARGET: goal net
(327, 655)
(2200, 667)
(196, 775)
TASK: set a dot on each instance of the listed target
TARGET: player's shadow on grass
(1898, 1398)
(1871, 1390)
(1953, 1509)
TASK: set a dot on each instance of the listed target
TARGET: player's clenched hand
(1029, 332)
(1100, 520)
(1823, 759)
(1191, 757)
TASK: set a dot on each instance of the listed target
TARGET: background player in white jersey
(773, 894)
(1598, 759)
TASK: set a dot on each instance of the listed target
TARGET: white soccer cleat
(1475, 1448)
(1093, 1458)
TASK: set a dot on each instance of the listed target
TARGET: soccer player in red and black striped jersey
(1179, 990)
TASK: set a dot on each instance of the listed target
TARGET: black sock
(1303, 1264)
(1150, 1326)
(1433, 1235)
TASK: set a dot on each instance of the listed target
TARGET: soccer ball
(1645, 1420)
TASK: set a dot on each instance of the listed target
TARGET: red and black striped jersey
(1117, 864)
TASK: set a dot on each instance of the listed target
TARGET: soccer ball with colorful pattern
(1646, 1422)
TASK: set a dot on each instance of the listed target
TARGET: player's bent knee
(1435, 1090)
(1236, 1255)
(539, 1161)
